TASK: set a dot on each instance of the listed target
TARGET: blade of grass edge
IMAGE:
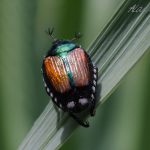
(116, 50)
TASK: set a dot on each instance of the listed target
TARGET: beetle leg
(93, 95)
(92, 109)
(84, 124)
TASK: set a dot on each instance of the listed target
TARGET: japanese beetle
(70, 77)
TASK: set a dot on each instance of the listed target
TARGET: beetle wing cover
(79, 67)
(55, 71)
(75, 63)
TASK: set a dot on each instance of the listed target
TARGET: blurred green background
(121, 123)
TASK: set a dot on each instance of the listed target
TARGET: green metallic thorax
(64, 48)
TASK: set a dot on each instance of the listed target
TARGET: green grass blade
(115, 51)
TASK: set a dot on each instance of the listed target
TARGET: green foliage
(121, 123)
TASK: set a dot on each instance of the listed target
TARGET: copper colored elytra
(55, 70)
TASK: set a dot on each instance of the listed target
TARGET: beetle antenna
(50, 31)
(76, 36)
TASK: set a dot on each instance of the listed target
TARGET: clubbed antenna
(76, 36)
(50, 33)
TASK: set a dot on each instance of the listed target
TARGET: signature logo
(136, 8)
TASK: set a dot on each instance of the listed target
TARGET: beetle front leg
(92, 108)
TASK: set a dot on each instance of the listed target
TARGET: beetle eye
(83, 101)
(70, 105)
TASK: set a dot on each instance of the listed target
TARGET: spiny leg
(84, 124)
(93, 96)
(92, 108)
